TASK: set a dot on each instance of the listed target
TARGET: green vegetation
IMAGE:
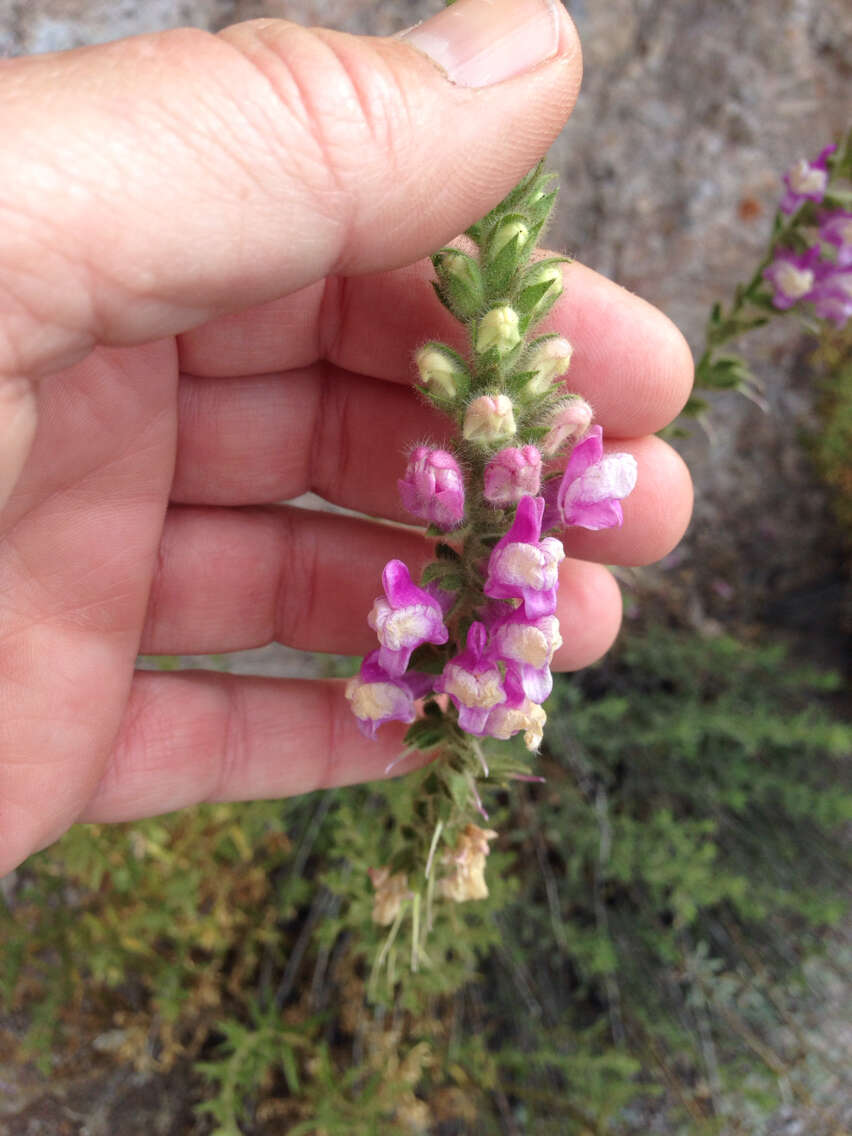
(658, 910)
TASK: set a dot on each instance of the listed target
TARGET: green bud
(548, 360)
(540, 289)
(441, 373)
(499, 329)
(508, 232)
(489, 418)
(459, 283)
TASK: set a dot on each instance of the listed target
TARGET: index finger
(630, 361)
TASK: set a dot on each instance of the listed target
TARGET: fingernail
(480, 42)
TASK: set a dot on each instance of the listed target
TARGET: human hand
(209, 295)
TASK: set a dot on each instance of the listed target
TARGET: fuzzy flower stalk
(805, 272)
(464, 655)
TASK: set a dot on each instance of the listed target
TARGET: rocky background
(670, 169)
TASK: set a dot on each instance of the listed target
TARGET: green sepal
(445, 405)
(446, 575)
(499, 271)
(424, 734)
(465, 298)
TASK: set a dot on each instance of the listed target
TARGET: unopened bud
(507, 232)
(569, 423)
(512, 474)
(541, 288)
(440, 373)
(460, 279)
(498, 328)
(547, 361)
(433, 487)
(489, 418)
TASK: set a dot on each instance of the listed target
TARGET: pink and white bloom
(377, 697)
(523, 566)
(433, 487)
(832, 294)
(408, 617)
(792, 276)
(529, 645)
(836, 229)
(518, 713)
(806, 181)
(511, 474)
(473, 681)
(592, 487)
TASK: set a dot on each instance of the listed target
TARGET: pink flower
(806, 181)
(523, 566)
(433, 487)
(377, 697)
(511, 474)
(473, 681)
(832, 295)
(792, 276)
(408, 617)
(592, 487)
(528, 645)
(836, 228)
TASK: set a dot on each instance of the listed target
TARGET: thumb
(149, 184)
(156, 181)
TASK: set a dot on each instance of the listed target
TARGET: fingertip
(590, 612)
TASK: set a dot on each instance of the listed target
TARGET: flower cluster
(466, 653)
(820, 273)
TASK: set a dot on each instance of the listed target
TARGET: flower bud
(541, 288)
(569, 423)
(440, 373)
(460, 282)
(511, 474)
(489, 418)
(506, 232)
(433, 487)
(498, 328)
(548, 361)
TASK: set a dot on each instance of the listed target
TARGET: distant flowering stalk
(807, 269)
(464, 656)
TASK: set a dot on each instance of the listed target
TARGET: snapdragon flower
(377, 697)
(408, 617)
(473, 681)
(523, 566)
(529, 645)
(832, 294)
(519, 713)
(806, 181)
(592, 487)
(836, 229)
(792, 276)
